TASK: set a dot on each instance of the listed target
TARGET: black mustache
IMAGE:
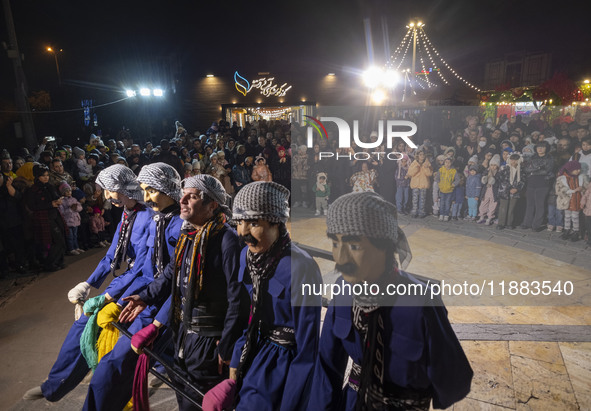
(348, 268)
(151, 204)
(116, 202)
(248, 238)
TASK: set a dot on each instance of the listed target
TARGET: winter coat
(504, 177)
(420, 175)
(71, 216)
(299, 166)
(494, 181)
(447, 178)
(473, 185)
(539, 171)
(586, 201)
(564, 193)
(97, 223)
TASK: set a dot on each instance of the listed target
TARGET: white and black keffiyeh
(264, 200)
(120, 179)
(367, 214)
(163, 178)
(210, 186)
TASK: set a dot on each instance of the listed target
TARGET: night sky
(106, 43)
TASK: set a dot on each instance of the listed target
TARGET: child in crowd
(490, 192)
(446, 178)
(473, 187)
(402, 184)
(569, 187)
(70, 210)
(436, 192)
(322, 192)
(511, 184)
(420, 172)
(586, 205)
(97, 226)
(472, 161)
(364, 180)
(458, 194)
(83, 168)
(188, 168)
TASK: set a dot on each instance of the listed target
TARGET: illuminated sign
(265, 85)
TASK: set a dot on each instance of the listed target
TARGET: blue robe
(422, 352)
(71, 367)
(280, 378)
(112, 383)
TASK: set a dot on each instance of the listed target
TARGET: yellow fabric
(109, 335)
(26, 171)
(446, 179)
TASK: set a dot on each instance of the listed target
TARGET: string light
(271, 113)
(447, 65)
(424, 45)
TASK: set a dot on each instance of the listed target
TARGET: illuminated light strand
(398, 49)
(432, 61)
(423, 65)
(404, 56)
(405, 42)
(447, 65)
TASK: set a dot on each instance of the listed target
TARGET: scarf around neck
(190, 255)
(261, 267)
(125, 230)
(160, 257)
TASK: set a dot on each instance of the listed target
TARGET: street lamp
(57, 66)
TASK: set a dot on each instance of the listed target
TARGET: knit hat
(64, 187)
(163, 178)
(211, 186)
(495, 160)
(473, 159)
(570, 166)
(266, 200)
(120, 179)
(96, 210)
(77, 151)
(5, 155)
(473, 167)
(367, 214)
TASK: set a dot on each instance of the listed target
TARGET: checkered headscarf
(210, 186)
(266, 200)
(367, 214)
(120, 179)
(163, 178)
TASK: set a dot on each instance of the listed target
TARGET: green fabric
(90, 333)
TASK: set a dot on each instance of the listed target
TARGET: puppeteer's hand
(220, 397)
(144, 338)
(79, 294)
(134, 307)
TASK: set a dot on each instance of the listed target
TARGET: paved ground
(527, 358)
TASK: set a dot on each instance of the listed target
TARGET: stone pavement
(535, 356)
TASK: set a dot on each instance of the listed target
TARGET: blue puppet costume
(111, 384)
(274, 359)
(209, 308)
(405, 353)
(128, 246)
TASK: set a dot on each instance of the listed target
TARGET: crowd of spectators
(509, 173)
